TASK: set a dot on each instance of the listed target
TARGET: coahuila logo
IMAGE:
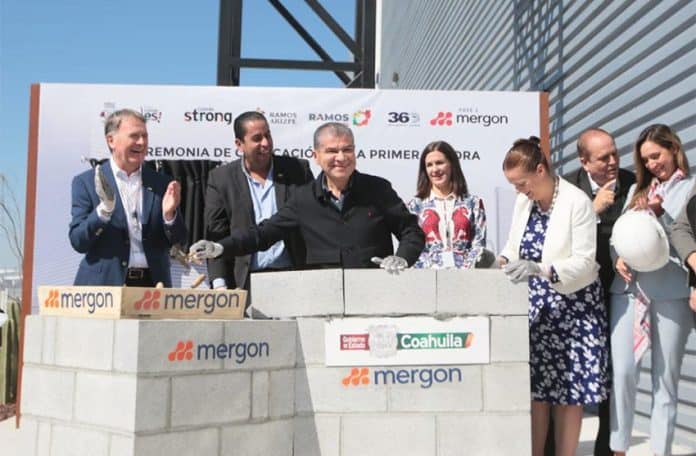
(425, 377)
(384, 341)
(88, 300)
(187, 350)
(362, 117)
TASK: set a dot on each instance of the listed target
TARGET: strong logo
(150, 300)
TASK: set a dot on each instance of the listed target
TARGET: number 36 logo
(403, 118)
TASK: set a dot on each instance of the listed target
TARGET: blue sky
(139, 42)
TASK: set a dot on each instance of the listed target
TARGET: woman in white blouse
(454, 221)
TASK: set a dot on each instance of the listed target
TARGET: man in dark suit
(607, 185)
(246, 192)
(346, 218)
(124, 215)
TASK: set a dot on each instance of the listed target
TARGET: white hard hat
(641, 241)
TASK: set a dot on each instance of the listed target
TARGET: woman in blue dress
(551, 247)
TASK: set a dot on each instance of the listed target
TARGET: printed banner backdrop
(406, 341)
(391, 128)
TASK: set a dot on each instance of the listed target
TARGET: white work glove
(520, 270)
(204, 250)
(392, 264)
(104, 190)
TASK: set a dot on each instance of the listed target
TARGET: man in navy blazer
(125, 216)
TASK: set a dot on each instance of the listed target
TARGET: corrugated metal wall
(620, 65)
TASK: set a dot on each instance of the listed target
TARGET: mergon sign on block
(136, 302)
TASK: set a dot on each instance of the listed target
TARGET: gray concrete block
(460, 391)
(152, 405)
(479, 292)
(376, 292)
(126, 342)
(317, 435)
(121, 445)
(297, 293)
(161, 341)
(506, 387)
(78, 441)
(85, 343)
(509, 339)
(269, 344)
(319, 389)
(14, 441)
(392, 434)
(262, 439)
(43, 441)
(47, 392)
(484, 435)
(105, 400)
(33, 339)
(310, 341)
(282, 394)
(48, 342)
(180, 443)
(260, 394)
(206, 399)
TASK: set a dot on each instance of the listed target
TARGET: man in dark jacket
(607, 185)
(346, 218)
(246, 192)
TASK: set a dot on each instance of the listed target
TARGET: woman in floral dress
(551, 247)
(454, 221)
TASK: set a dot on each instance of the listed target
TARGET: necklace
(553, 198)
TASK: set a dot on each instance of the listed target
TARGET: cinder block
(506, 387)
(393, 434)
(126, 342)
(43, 441)
(48, 351)
(320, 389)
(297, 293)
(106, 400)
(33, 339)
(78, 441)
(376, 292)
(47, 392)
(443, 389)
(260, 394)
(484, 435)
(180, 443)
(282, 402)
(86, 343)
(268, 344)
(310, 341)
(262, 439)
(122, 445)
(317, 436)
(20, 441)
(207, 399)
(152, 407)
(479, 292)
(163, 346)
(509, 339)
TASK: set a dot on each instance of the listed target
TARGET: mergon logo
(89, 300)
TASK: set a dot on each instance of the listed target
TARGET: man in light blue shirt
(247, 191)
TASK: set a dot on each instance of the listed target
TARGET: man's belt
(137, 273)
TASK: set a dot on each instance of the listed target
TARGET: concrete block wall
(129, 387)
(464, 416)
(133, 387)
